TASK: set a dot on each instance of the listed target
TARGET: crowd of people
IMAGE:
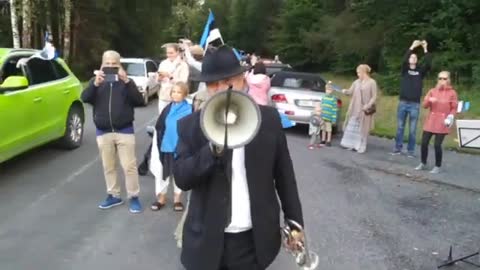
(441, 101)
(231, 220)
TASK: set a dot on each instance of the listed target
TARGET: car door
(47, 95)
(16, 114)
(153, 85)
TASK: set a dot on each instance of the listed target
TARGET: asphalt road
(356, 218)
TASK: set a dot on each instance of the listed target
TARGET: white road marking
(82, 169)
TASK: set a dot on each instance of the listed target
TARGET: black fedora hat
(219, 64)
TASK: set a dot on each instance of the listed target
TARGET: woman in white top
(171, 70)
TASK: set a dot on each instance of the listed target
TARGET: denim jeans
(412, 111)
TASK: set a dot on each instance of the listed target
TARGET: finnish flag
(211, 34)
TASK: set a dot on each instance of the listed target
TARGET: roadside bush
(389, 83)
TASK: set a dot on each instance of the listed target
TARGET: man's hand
(99, 77)
(122, 75)
(216, 150)
(415, 44)
(425, 45)
(365, 107)
(297, 240)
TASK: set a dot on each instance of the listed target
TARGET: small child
(315, 125)
(329, 114)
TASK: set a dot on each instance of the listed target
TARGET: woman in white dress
(359, 120)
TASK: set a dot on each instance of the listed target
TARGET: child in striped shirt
(329, 114)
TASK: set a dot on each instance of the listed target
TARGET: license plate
(305, 103)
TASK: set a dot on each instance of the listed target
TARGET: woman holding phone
(442, 102)
(171, 70)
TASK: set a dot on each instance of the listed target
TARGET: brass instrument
(305, 259)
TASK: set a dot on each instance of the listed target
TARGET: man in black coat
(234, 225)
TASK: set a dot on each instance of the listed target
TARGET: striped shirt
(329, 108)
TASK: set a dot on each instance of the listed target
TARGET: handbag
(371, 110)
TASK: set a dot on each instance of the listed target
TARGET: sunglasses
(442, 78)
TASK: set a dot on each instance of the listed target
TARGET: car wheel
(145, 98)
(74, 131)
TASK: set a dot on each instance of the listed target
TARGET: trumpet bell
(243, 119)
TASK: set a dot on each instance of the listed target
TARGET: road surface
(356, 218)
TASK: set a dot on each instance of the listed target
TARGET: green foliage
(327, 35)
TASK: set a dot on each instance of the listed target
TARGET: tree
(27, 24)
(14, 22)
(67, 29)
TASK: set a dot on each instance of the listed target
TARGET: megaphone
(241, 121)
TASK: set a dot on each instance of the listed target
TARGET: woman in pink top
(258, 83)
(442, 102)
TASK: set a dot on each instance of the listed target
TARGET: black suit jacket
(269, 172)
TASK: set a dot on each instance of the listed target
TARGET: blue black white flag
(211, 34)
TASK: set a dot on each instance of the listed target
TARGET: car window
(40, 71)
(299, 83)
(60, 72)
(10, 68)
(134, 69)
(151, 67)
(292, 83)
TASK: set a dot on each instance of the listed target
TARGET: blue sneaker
(135, 206)
(110, 202)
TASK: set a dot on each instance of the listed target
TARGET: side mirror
(14, 83)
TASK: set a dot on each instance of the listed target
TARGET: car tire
(145, 98)
(74, 130)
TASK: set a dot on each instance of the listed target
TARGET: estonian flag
(211, 34)
(48, 52)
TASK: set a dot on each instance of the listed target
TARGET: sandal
(157, 206)
(178, 207)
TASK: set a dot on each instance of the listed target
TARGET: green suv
(39, 103)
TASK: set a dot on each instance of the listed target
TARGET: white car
(143, 72)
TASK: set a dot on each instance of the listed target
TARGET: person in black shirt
(411, 85)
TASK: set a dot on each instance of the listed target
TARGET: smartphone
(111, 74)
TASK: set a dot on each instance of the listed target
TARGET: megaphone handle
(228, 166)
(227, 108)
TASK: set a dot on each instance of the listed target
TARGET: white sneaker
(435, 170)
(420, 167)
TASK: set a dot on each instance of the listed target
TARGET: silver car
(295, 94)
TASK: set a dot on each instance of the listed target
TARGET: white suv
(144, 73)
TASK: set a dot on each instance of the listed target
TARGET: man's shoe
(411, 155)
(322, 143)
(110, 202)
(311, 147)
(135, 206)
(421, 167)
(396, 152)
(435, 170)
